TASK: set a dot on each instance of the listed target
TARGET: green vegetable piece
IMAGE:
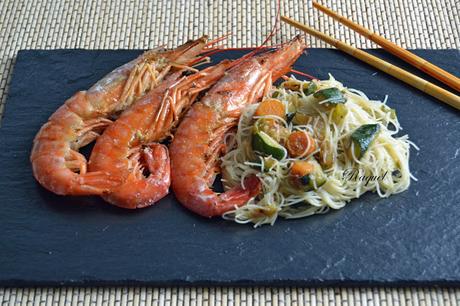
(338, 113)
(263, 143)
(276, 94)
(269, 162)
(311, 88)
(392, 113)
(363, 137)
(333, 95)
(317, 178)
(320, 180)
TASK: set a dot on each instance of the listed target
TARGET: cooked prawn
(128, 148)
(57, 164)
(198, 141)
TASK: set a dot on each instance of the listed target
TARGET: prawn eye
(187, 72)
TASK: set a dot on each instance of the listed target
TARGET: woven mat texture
(138, 24)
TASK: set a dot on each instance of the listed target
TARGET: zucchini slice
(333, 95)
(263, 143)
(362, 138)
(339, 113)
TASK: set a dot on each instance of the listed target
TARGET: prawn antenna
(212, 45)
(210, 49)
(262, 47)
(303, 74)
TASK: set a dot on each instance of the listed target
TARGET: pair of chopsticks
(401, 74)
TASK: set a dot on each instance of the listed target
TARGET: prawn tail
(210, 204)
(93, 183)
(66, 182)
(240, 195)
(148, 180)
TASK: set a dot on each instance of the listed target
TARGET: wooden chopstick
(416, 61)
(407, 77)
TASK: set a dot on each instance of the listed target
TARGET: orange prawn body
(57, 165)
(128, 149)
(198, 141)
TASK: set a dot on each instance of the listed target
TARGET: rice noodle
(388, 154)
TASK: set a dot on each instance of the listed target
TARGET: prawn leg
(90, 131)
(76, 162)
(95, 183)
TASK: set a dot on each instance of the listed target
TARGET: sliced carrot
(300, 144)
(301, 168)
(271, 107)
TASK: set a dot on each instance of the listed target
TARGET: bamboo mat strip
(227, 296)
(142, 24)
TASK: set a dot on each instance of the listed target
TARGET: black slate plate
(411, 238)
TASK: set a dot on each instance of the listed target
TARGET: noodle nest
(383, 168)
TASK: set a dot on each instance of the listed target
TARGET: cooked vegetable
(272, 128)
(301, 168)
(393, 114)
(307, 175)
(392, 111)
(263, 143)
(269, 162)
(310, 88)
(291, 84)
(332, 95)
(300, 185)
(272, 107)
(300, 144)
(362, 138)
(301, 119)
(338, 113)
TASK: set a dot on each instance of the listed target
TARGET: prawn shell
(198, 141)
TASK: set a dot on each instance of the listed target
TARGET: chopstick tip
(315, 4)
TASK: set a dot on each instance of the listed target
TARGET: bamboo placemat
(138, 24)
